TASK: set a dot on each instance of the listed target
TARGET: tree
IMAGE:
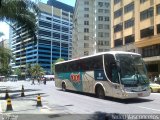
(22, 12)
(1, 34)
(28, 70)
(53, 65)
(37, 71)
(17, 72)
(5, 57)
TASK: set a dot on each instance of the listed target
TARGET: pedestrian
(33, 82)
(44, 81)
(38, 80)
(155, 79)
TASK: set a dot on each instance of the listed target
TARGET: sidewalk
(27, 104)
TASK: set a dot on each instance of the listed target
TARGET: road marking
(155, 93)
(149, 108)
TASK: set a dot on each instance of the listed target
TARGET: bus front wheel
(63, 86)
(100, 93)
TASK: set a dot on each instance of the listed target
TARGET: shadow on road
(123, 101)
(14, 91)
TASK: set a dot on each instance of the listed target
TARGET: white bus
(115, 74)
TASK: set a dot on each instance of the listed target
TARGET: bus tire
(100, 92)
(63, 86)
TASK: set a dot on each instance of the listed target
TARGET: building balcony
(146, 23)
(146, 5)
(148, 41)
(128, 31)
(118, 35)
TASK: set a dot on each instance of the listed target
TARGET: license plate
(140, 94)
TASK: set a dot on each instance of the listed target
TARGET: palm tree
(17, 72)
(22, 12)
(37, 71)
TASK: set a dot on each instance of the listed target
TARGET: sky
(5, 28)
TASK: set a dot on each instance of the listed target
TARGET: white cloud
(5, 29)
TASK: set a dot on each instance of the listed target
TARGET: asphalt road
(60, 105)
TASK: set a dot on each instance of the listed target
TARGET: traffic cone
(22, 92)
(7, 95)
(9, 105)
(39, 103)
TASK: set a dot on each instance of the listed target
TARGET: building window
(106, 11)
(100, 10)
(117, 1)
(152, 67)
(65, 14)
(158, 28)
(86, 53)
(118, 13)
(118, 27)
(107, 5)
(118, 42)
(100, 18)
(86, 37)
(106, 34)
(86, 45)
(106, 26)
(147, 32)
(100, 26)
(100, 50)
(146, 14)
(158, 9)
(100, 34)
(129, 7)
(142, 1)
(129, 23)
(86, 15)
(86, 9)
(129, 39)
(86, 30)
(86, 22)
(100, 4)
(106, 43)
(106, 18)
(150, 51)
(86, 2)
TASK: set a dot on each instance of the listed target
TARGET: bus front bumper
(126, 94)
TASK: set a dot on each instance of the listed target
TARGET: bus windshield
(132, 70)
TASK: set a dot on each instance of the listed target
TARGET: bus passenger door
(110, 68)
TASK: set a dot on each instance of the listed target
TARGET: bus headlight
(124, 94)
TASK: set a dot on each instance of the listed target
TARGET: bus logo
(75, 77)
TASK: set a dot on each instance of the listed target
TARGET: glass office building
(54, 35)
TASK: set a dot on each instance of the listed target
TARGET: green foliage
(1, 34)
(17, 71)
(21, 12)
(5, 57)
(28, 70)
(53, 65)
(37, 71)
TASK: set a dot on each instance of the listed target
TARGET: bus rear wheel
(100, 93)
(63, 86)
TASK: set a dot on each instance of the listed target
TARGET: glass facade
(54, 39)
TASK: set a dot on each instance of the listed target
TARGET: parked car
(154, 87)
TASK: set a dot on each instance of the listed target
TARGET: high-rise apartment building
(91, 27)
(54, 37)
(136, 28)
